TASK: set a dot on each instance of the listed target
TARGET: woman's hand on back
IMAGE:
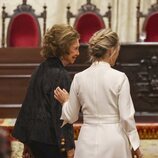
(61, 95)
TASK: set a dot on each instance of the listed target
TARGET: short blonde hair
(100, 42)
(57, 40)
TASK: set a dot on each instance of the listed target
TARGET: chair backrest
(151, 27)
(23, 29)
(88, 20)
(149, 31)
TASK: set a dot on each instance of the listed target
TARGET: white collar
(101, 63)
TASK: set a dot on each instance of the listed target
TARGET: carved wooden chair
(88, 20)
(23, 28)
(149, 31)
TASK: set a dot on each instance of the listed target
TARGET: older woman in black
(38, 125)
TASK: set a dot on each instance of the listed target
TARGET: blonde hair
(100, 42)
(57, 40)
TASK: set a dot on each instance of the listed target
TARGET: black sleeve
(68, 134)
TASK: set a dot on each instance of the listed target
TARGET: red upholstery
(23, 31)
(87, 24)
(151, 28)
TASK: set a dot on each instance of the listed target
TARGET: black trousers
(41, 150)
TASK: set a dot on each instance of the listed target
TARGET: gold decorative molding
(145, 130)
(148, 130)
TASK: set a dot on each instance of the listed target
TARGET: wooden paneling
(9, 110)
(17, 69)
(20, 55)
(13, 88)
(139, 61)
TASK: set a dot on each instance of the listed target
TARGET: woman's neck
(107, 60)
(64, 62)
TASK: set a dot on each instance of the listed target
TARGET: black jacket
(39, 117)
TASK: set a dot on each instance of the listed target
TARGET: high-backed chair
(88, 20)
(23, 28)
(149, 31)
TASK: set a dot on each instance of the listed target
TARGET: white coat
(108, 129)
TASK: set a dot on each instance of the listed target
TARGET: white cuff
(63, 115)
(134, 139)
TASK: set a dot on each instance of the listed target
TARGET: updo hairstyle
(57, 40)
(101, 42)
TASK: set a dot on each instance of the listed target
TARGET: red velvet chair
(23, 29)
(151, 28)
(149, 31)
(88, 20)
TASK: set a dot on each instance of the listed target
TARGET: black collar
(55, 60)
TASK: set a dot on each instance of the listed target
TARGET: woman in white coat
(103, 95)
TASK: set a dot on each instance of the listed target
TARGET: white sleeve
(70, 110)
(126, 110)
